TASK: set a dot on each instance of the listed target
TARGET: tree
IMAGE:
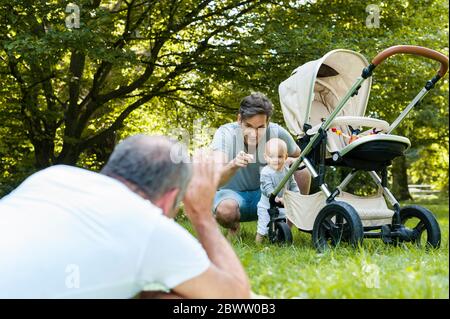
(76, 86)
(70, 93)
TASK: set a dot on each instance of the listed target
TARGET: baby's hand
(290, 161)
(279, 200)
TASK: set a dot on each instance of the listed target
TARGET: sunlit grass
(375, 270)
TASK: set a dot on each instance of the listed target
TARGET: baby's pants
(264, 218)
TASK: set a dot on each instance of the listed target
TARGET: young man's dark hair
(255, 103)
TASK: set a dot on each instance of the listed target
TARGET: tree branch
(116, 125)
(77, 62)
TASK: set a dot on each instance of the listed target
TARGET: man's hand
(231, 167)
(226, 277)
(200, 192)
(242, 159)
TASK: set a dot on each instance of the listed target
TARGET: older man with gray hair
(67, 232)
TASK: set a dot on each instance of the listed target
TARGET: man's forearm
(158, 295)
(219, 250)
(227, 173)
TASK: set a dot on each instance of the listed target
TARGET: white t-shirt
(67, 232)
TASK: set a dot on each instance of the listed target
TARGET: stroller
(324, 107)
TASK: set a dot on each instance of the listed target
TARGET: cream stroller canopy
(315, 88)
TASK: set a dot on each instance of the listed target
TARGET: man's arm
(221, 145)
(302, 177)
(157, 295)
(293, 149)
(231, 167)
(226, 277)
(293, 156)
(228, 170)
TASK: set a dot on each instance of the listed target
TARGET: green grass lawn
(374, 271)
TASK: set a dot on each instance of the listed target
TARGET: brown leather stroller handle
(416, 50)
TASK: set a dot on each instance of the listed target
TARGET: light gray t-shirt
(271, 178)
(230, 140)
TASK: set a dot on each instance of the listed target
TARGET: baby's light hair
(281, 146)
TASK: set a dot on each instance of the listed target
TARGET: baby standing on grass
(275, 155)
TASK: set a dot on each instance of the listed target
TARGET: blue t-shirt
(230, 140)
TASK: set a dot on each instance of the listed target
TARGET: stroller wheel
(422, 225)
(281, 234)
(336, 222)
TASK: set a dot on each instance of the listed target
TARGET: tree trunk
(43, 153)
(69, 154)
(400, 179)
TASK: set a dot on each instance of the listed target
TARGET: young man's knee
(304, 173)
(227, 212)
(303, 179)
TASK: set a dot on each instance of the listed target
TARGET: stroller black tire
(283, 234)
(427, 222)
(346, 227)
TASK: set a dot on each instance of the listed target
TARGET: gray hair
(255, 103)
(146, 162)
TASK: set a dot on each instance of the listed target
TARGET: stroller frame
(346, 215)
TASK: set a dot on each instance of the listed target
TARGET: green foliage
(431, 167)
(68, 95)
